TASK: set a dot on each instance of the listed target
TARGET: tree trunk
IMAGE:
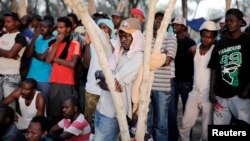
(22, 8)
(196, 8)
(4, 6)
(145, 86)
(91, 7)
(122, 5)
(13, 6)
(82, 11)
(47, 7)
(228, 4)
(184, 8)
(148, 75)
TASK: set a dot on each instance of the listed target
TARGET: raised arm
(71, 63)
(12, 97)
(52, 51)
(31, 47)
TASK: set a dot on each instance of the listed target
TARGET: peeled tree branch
(82, 11)
(146, 86)
(148, 75)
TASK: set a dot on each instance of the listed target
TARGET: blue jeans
(178, 88)
(157, 122)
(106, 128)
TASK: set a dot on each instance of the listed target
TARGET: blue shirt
(40, 70)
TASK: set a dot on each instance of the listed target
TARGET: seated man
(75, 126)
(31, 102)
(38, 129)
(8, 129)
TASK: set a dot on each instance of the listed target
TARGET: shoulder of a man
(21, 39)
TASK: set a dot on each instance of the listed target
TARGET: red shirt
(62, 74)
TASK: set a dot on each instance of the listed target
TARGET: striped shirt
(163, 75)
(79, 128)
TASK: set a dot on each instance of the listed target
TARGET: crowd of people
(52, 86)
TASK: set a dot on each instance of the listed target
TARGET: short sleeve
(20, 39)
(214, 60)
(61, 123)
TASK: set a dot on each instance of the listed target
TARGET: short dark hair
(37, 17)
(50, 18)
(75, 102)
(31, 81)
(65, 20)
(43, 121)
(13, 15)
(72, 15)
(7, 112)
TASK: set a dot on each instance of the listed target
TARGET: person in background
(8, 129)
(93, 91)
(38, 129)
(117, 19)
(36, 19)
(26, 21)
(157, 122)
(75, 126)
(198, 99)
(99, 15)
(184, 69)
(139, 15)
(230, 79)
(39, 69)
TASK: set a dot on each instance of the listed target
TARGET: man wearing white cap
(198, 99)
(183, 81)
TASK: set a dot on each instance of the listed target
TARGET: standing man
(161, 89)
(93, 91)
(11, 50)
(139, 15)
(63, 55)
(198, 99)
(117, 19)
(128, 52)
(230, 79)
(184, 69)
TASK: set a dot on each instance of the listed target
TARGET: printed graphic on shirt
(231, 59)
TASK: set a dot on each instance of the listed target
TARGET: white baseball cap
(209, 25)
(180, 20)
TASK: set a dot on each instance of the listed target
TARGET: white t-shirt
(9, 65)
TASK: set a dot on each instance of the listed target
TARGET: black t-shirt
(231, 59)
(184, 64)
(21, 39)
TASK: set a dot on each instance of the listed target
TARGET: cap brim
(244, 23)
(127, 30)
